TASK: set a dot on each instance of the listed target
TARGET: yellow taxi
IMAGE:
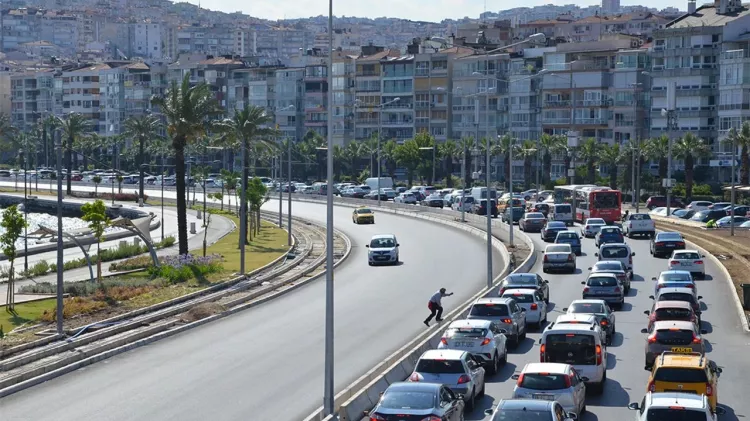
(363, 215)
(688, 373)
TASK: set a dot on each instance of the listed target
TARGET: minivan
(617, 251)
(579, 345)
(561, 212)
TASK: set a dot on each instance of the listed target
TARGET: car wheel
(495, 364)
(505, 357)
(523, 337)
(370, 263)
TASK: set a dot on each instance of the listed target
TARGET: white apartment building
(148, 40)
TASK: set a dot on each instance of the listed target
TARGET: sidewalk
(219, 227)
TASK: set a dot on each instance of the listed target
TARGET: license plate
(542, 396)
(686, 264)
(381, 258)
(670, 245)
(558, 264)
(682, 350)
(600, 293)
(465, 344)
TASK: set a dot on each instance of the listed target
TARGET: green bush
(40, 268)
(166, 242)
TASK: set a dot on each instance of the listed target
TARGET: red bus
(591, 201)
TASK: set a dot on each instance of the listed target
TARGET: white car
(674, 406)
(699, 205)
(578, 319)
(406, 197)
(552, 382)
(592, 226)
(688, 260)
(481, 338)
(383, 249)
(617, 251)
(456, 369)
(467, 202)
(531, 301)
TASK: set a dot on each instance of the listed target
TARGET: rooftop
(707, 15)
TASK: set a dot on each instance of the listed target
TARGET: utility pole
(671, 115)
(60, 246)
(734, 183)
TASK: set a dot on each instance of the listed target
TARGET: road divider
(363, 393)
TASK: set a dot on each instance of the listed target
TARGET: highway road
(266, 363)
(626, 383)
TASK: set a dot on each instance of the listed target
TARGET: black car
(525, 281)
(433, 201)
(549, 232)
(481, 207)
(418, 401)
(708, 215)
(663, 243)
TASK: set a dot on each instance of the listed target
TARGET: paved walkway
(219, 227)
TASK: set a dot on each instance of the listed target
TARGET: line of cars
(704, 211)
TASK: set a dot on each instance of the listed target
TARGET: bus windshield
(605, 200)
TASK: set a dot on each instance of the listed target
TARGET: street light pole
(25, 211)
(289, 192)
(731, 212)
(60, 263)
(510, 184)
(328, 390)
(489, 205)
(162, 197)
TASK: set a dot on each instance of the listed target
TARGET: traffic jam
(576, 345)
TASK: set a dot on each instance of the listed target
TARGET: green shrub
(166, 242)
(40, 268)
(182, 268)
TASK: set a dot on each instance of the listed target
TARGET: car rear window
(675, 414)
(672, 276)
(538, 381)
(674, 337)
(610, 231)
(686, 256)
(680, 375)
(439, 366)
(534, 216)
(523, 415)
(602, 281)
(608, 266)
(669, 237)
(640, 217)
(676, 296)
(595, 221)
(567, 236)
(562, 209)
(521, 298)
(614, 252)
(489, 310)
(558, 249)
(466, 332)
(408, 400)
(570, 348)
(673, 314)
(586, 308)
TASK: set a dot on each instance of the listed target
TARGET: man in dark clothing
(435, 306)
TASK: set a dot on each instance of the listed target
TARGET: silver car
(672, 336)
(559, 257)
(532, 302)
(604, 286)
(454, 368)
(481, 338)
(616, 267)
(505, 313)
(552, 382)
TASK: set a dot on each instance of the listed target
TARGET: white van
(579, 345)
(562, 212)
(385, 183)
(617, 251)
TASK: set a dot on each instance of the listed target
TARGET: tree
(657, 149)
(465, 145)
(187, 110)
(611, 156)
(95, 213)
(309, 150)
(741, 139)
(549, 145)
(7, 133)
(74, 125)
(527, 151)
(96, 179)
(448, 152)
(504, 146)
(588, 151)
(257, 195)
(409, 156)
(229, 182)
(388, 157)
(14, 223)
(352, 153)
(690, 148)
(142, 129)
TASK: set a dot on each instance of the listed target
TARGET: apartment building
(290, 101)
(316, 97)
(33, 95)
(397, 96)
(368, 91)
(148, 40)
(432, 91)
(342, 110)
(629, 92)
(216, 39)
(216, 71)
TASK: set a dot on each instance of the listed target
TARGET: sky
(427, 10)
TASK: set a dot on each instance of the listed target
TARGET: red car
(671, 310)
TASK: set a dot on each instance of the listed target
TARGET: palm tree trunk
(688, 177)
(662, 172)
(141, 169)
(568, 179)
(744, 166)
(527, 172)
(507, 171)
(613, 176)
(222, 196)
(546, 167)
(69, 165)
(181, 201)
(591, 170)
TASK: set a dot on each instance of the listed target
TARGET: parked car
(661, 201)
(726, 221)
(406, 197)
(708, 215)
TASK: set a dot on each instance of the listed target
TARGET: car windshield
(556, 226)
(562, 209)
(602, 281)
(595, 221)
(668, 236)
(570, 349)
(523, 415)
(675, 414)
(534, 216)
(489, 310)
(673, 314)
(466, 332)
(614, 252)
(543, 381)
(611, 231)
(686, 256)
(363, 211)
(586, 308)
(382, 243)
(680, 375)
(521, 298)
(439, 366)
(562, 248)
(676, 296)
(407, 400)
(675, 276)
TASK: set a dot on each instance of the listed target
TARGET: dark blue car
(569, 237)
(609, 235)
(418, 401)
(549, 232)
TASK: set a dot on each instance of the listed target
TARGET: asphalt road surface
(266, 363)
(726, 344)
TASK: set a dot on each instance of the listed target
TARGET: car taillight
(696, 340)
(651, 386)
(586, 289)
(659, 244)
(598, 355)
(674, 262)
(681, 244)
(376, 417)
(709, 389)
(691, 286)
(464, 379)
(630, 259)
(541, 354)
(519, 382)
(604, 323)
(507, 321)
(534, 306)
(568, 382)
(652, 339)
(414, 377)
(546, 259)
(502, 290)
(617, 289)
(444, 341)
(660, 286)
(485, 341)
(698, 262)
(570, 258)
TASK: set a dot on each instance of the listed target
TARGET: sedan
(739, 210)
(726, 221)
(609, 235)
(433, 201)
(532, 221)
(664, 243)
(559, 257)
(680, 294)
(688, 260)
(552, 382)
(674, 279)
(481, 338)
(525, 281)
(682, 337)
(592, 226)
(683, 213)
(670, 310)
(532, 302)
(409, 400)
(569, 237)
(599, 309)
(549, 232)
(698, 205)
(406, 197)
(604, 286)
(616, 267)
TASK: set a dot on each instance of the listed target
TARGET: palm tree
(742, 139)
(658, 149)
(74, 125)
(506, 145)
(527, 151)
(143, 129)
(611, 156)
(7, 132)
(352, 153)
(465, 145)
(589, 152)
(548, 145)
(96, 179)
(448, 151)
(187, 109)
(86, 144)
(388, 157)
(310, 150)
(690, 148)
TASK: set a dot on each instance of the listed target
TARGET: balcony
(464, 125)
(421, 104)
(593, 121)
(624, 123)
(556, 120)
(464, 107)
(594, 103)
(397, 123)
(399, 106)
(557, 104)
(422, 121)
(315, 123)
(367, 121)
(519, 124)
(421, 72)
(726, 107)
(368, 74)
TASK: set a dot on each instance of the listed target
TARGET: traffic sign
(668, 183)
(571, 172)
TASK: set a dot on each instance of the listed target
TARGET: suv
(677, 336)
(552, 382)
(579, 319)
(456, 369)
(674, 406)
(605, 316)
(638, 224)
(580, 346)
(562, 213)
(505, 313)
(680, 294)
(482, 338)
(690, 373)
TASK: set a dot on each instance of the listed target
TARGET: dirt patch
(201, 311)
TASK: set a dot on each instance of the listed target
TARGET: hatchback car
(604, 315)
(664, 243)
(726, 221)
(532, 222)
(407, 198)
(569, 237)
(620, 252)
(616, 267)
(525, 281)
(670, 310)
(453, 368)
(708, 215)
(674, 279)
(592, 226)
(363, 215)
(549, 232)
(609, 235)
(505, 313)
(529, 410)
(409, 400)
(698, 205)
(434, 201)
(675, 336)
(552, 382)
(559, 257)
(542, 208)
(680, 294)
(674, 406)
(383, 250)
(532, 302)
(688, 260)
(688, 373)
(481, 338)
(604, 286)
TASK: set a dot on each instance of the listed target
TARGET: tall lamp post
(289, 190)
(281, 174)
(60, 263)
(733, 139)
(671, 115)
(24, 155)
(380, 132)
(510, 185)
(328, 390)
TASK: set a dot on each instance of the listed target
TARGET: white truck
(638, 224)
(385, 183)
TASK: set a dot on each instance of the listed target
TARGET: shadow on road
(504, 374)
(632, 292)
(524, 347)
(626, 306)
(614, 396)
(707, 326)
(617, 340)
(707, 346)
(729, 415)
(611, 362)
(637, 278)
(705, 277)
(487, 402)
